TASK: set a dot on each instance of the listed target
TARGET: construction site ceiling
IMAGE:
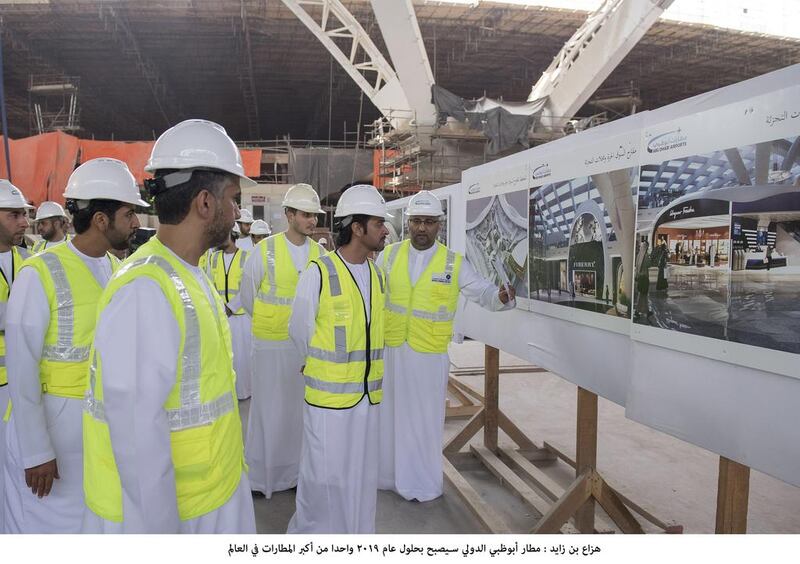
(252, 66)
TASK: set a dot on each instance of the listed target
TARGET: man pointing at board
(424, 280)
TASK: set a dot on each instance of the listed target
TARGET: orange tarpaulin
(134, 154)
(41, 165)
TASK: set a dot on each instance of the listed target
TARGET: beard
(218, 232)
(118, 240)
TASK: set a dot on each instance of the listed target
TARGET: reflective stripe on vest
(342, 368)
(201, 411)
(192, 412)
(425, 330)
(64, 350)
(73, 293)
(227, 281)
(275, 290)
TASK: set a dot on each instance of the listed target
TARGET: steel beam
(364, 62)
(591, 54)
(400, 30)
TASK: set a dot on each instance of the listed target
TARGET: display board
(662, 265)
(718, 224)
(582, 225)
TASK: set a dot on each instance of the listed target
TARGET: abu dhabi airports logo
(541, 171)
(474, 188)
(667, 141)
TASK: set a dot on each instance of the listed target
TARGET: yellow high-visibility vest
(227, 281)
(421, 314)
(272, 306)
(345, 356)
(41, 244)
(202, 411)
(72, 295)
(18, 256)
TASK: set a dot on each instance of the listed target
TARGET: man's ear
(203, 205)
(101, 220)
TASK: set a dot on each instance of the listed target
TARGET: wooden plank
(468, 390)
(639, 510)
(482, 511)
(559, 453)
(586, 452)
(544, 482)
(514, 432)
(733, 493)
(503, 370)
(614, 507)
(464, 461)
(537, 454)
(508, 478)
(461, 411)
(459, 395)
(573, 499)
(491, 390)
(464, 435)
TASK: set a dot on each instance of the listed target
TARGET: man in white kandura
(225, 266)
(163, 448)
(50, 324)
(275, 430)
(337, 325)
(51, 223)
(424, 280)
(245, 242)
(13, 223)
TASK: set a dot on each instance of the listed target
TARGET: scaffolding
(53, 103)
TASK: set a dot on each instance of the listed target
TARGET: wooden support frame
(558, 506)
(733, 493)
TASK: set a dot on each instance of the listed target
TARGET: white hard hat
(236, 229)
(322, 241)
(302, 197)
(104, 179)
(424, 203)
(260, 227)
(361, 199)
(197, 144)
(50, 209)
(246, 216)
(11, 197)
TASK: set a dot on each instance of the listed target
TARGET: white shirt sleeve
(139, 367)
(27, 320)
(251, 279)
(481, 291)
(303, 321)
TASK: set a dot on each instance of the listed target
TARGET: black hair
(344, 234)
(173, 204)
(82, 217)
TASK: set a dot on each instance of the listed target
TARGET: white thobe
(245, 243)
(6, 263)
(275, 427)
(242, 342)
(42, 426)
(412, 411)
(337, 490)
(139, 367)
